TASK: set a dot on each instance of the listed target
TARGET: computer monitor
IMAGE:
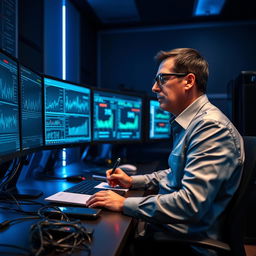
(67, 115)
(9, 108)
(117, 116)
(159, 126)
(31, 109)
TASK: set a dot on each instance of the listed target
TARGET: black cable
(52, 212)
(59, 236)
(10, 173)
(7, 223)
(55, 232)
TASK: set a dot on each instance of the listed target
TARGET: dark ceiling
(171, 12)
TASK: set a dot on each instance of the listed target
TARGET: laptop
(81, 192)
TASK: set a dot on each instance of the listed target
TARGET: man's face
(171, 92)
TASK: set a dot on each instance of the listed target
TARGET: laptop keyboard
(87, 187)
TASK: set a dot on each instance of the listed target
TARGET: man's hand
(118, 178)
(107, 199)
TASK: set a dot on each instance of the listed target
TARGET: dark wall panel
(31, 46)
(126, 57)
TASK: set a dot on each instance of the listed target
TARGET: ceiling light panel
(208, 7)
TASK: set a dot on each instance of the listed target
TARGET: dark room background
(126, 57)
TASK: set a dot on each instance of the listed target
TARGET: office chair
(234, 215)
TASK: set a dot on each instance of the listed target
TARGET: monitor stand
(9, 186)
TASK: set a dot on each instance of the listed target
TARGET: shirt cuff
(138, 181)
(131, 206)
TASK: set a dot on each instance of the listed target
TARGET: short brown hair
(188, 60)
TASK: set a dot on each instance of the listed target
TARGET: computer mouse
(75, 178)
(128, 167)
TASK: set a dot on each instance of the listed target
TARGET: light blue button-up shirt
(205, 169)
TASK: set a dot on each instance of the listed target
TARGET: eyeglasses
(162, 78)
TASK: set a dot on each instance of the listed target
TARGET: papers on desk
(104, 185)
(75, 198)
(68, 198)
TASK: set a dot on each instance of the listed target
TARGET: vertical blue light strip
(64, 39)
(64, 152)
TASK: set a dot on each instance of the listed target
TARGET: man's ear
(190, 81)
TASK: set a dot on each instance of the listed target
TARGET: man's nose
(155, 88)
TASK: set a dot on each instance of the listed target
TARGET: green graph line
(107, 124)
(162, 116)
(129, 125)
(162, 129)
(125, 104)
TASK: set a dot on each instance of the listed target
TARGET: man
(205, 162)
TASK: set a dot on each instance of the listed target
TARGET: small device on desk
(99, 177)
(128, 168)
(78, 212)
(75, 178)
(81, 212)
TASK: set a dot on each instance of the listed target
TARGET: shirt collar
(188, 114)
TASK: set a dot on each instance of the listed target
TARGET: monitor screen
(9, 110)
(67, 112)
(31, 109)
(159, 126)
(117, 116)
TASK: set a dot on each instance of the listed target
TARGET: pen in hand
(115, 165)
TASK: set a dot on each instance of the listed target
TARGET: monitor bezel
(38, 148)
(11, 155)
(126, 93)
(65, 145)
(147, 135)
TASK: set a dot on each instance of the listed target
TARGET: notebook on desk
(81, 192)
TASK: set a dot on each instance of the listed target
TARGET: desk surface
(111, 229)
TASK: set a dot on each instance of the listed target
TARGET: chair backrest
(234, 226)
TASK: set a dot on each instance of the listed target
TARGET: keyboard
(88, 187)
(84, 187)
(79, 193)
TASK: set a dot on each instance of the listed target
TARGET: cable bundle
(59, 236)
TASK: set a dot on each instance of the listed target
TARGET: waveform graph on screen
(54, 128)
(54, 99)
(8, 81)
(9, 111)
(9, 128)
(159, 122)
(54, 135)
(52, 121)
(105, 117)
(129, 119)
(31, 109)
(162, 115)
(32, 97)
(76, 102)
(67, 112)
(77, 128)
(8, 118)
(162, 127)
(7, 90)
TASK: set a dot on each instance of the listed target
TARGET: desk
(111, 229)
